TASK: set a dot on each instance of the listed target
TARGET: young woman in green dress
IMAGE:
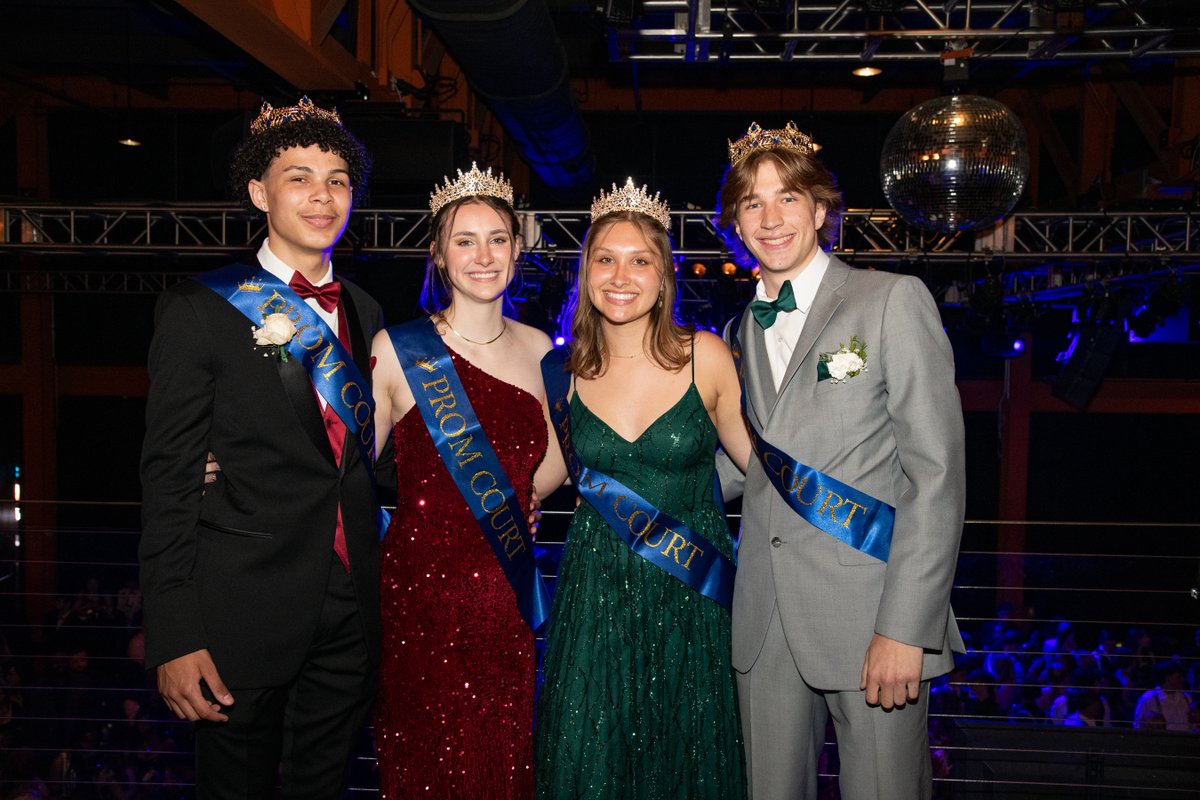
(638, 699)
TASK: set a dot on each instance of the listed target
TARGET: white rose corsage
(276, 331)
(844, 363)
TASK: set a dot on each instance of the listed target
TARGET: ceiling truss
(900, 30)
(1036, 255)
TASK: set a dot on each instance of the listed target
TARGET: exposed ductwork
(511, 54)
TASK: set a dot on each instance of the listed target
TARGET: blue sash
(663, 541)
(477, 472)
(256, 293)
(840, 510)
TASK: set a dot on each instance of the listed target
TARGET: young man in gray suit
(853, 508)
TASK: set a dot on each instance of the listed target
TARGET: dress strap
(693, 357)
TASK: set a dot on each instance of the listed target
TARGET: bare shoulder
(710, 350)
(533, 340)
(715, 372)
(382, 347)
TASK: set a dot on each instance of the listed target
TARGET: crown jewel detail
(270, 117)
(788, 137)
(630, 198)
(471, 184)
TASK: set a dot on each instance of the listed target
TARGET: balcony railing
(1082, 610)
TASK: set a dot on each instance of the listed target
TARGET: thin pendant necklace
(503, 328)
(635, 355)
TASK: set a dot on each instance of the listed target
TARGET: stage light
(867, 72)
(1163, 302)
(1144, 322)
(755, 272)
(559, 341)
(729, 268)
(1002, 344)
(699, 270)
(128, 140)
(1084, 364)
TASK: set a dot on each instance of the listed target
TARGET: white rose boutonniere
(276, 331)
(845, 363)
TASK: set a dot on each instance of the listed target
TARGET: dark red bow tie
(327, 296)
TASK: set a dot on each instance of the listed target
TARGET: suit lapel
(303, 397)
(360, 352)
(359, 347)
(299, 388)
(759, 385)
(829, 296)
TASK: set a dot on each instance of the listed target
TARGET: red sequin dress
(454, 715)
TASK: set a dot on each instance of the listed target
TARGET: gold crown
(249, 285)
(269, 117)
(473, 184)
(788, 137)
(630, 198)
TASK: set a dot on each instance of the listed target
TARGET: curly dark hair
(254, 155)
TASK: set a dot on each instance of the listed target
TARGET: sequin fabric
(638, 699)
(454, 715)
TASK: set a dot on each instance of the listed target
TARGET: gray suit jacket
(895, 431)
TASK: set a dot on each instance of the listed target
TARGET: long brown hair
(435, 293)
(667, 339)
(798, 172)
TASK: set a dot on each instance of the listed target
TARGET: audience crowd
(80, 717)
(1062, 673)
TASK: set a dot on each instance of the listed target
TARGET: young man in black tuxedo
(262, 588)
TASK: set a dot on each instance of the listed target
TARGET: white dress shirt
(274, 265)
(781, 337)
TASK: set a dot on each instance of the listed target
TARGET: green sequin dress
(638, 699)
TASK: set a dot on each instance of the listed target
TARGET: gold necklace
(635, 355)
(503, 328)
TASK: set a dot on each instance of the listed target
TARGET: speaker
(410, 155)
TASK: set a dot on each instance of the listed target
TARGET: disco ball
(955, 163)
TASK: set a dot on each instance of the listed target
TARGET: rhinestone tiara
(472, 184)
(270, 117)
(788, 137)
(630, 198)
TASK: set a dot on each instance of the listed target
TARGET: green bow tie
(765, 311)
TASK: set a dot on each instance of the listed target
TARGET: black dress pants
(303, 733)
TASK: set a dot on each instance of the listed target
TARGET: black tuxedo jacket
(240, 567)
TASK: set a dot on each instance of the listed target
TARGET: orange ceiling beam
(289, 37)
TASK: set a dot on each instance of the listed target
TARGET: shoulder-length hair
(798, 172)
(666, 339)
(436, 294)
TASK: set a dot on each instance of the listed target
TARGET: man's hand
(891, 672)
(179, 685)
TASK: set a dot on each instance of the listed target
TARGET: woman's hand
(211, 468)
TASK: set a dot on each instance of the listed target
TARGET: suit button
(776, 541)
